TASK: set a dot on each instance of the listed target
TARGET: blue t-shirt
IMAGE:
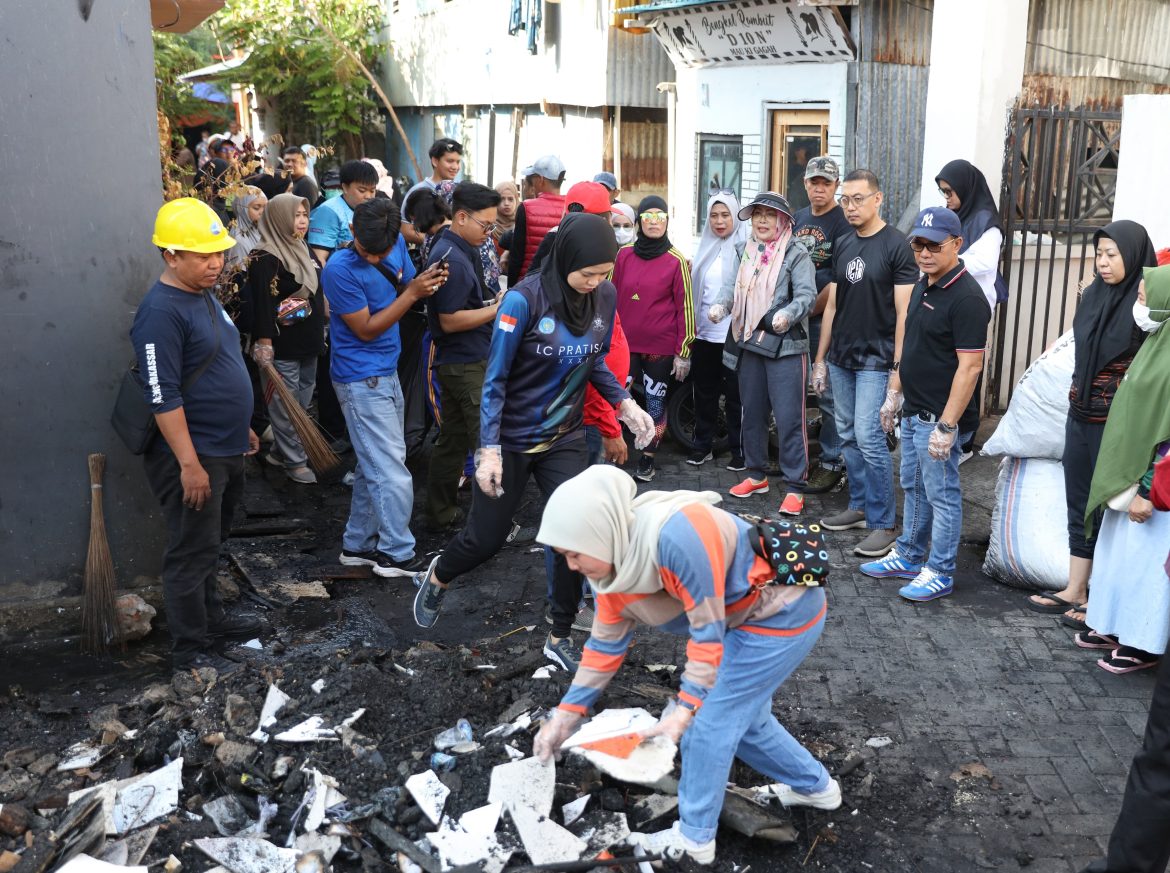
(329, 224)
(399, 262)
(173, 334)
(351, 285)
(464, 289)
(537, 370)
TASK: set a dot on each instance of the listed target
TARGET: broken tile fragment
(525, 783)
(429, 793)
(545, 841)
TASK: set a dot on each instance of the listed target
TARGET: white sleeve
(983, 254)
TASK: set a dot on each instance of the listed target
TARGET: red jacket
(1160, 490)
(541, 214)
(598, 412)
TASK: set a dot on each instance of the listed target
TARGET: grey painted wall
(79, 174)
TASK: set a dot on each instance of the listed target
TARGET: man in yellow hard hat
(196, 383)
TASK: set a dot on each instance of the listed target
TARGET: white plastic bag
(1029, 536)
(1033, 426)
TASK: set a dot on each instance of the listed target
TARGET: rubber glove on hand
(820, 378)
(940, 443)
(890, 409)
(681, 367)
(489, 471)
(553, 734)
(673, 724)
(780, 323)
(261, 354)
(716, 313)
(638, 420)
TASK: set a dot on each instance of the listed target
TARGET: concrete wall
(80, 174)
(1142, 172)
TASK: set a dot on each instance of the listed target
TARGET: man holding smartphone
(460, 317)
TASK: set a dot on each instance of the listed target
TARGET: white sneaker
(830, 798)
(673, 844)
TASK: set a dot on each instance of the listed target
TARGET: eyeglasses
(856, 199)
(653, 215)
(945, 192)
(487, 227)
(918, 245)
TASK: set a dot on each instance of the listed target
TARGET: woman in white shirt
(715, 259)
(967, 195)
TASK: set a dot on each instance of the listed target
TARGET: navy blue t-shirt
(464, 289)
(173, 334)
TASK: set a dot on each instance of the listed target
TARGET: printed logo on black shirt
(855, 270)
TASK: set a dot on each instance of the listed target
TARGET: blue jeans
(858, 396)
(593, 445)
(933, 511)
(736, 720)
(830, 442)
(383, 491)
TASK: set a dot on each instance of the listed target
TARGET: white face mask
(624, 235)
(1141, 316)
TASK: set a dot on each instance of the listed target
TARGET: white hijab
(598, 513)
(711, 246)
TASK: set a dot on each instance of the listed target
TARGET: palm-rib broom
(321, 458)
(99, 617)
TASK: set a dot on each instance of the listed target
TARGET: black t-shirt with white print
(817, 233)
(944, 321)
(866, 269)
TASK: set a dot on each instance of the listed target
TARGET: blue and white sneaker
(928, 585)
(892, 566)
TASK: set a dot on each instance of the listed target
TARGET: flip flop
(1077, 624)
(1059, 607)
(1120, 664)
(1093, 640)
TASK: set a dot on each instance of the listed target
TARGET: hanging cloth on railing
(535, 16)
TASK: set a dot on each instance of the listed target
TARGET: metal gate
(1059, 181)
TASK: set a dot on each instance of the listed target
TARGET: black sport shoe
(645, 471)
(382, 564)
(698, 458)
(562, 653)
(221, 665)
(736, 464)
(428, 600)
(821, 480)
(234, 626)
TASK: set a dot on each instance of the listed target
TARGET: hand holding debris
(673, 724)
(553, 734)
(489, 471)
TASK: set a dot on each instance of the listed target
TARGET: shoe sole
(856, 525)
(908, 575)
(355, 561)
(394, 572)
(700, 463)
(644, 477)
(875, 553)
(794, 801)
(751, 493)
(421, 592)
(551, 654)
(790, 513)
(735, 469)
(927, 598)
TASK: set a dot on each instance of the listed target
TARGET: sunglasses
(653, 215)
(918, 245)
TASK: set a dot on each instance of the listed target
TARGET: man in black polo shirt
(942, 357)
(460, 317)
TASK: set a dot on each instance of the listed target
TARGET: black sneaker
(563, 653)
(736, 464)
(382, 564)
(221, 665)
(428, 600)
(234, 626)
(822, 480)
(645, 471)
(698, 458)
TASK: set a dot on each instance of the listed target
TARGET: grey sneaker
(302, 475)
(562, 653)
(846, 520)
(877, 544)
(583, 621)
(428, 600)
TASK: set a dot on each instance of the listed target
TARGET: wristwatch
(947, 428)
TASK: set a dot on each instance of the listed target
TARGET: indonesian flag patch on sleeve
(507, 323)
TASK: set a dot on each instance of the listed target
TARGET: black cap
(766, 198)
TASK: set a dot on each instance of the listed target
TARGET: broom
(321, 457)
(99, 619)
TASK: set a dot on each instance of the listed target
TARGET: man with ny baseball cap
(934, 387)
(537, 215)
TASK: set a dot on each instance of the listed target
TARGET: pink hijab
(755, 284)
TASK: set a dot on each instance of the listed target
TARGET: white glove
(553, 734)
(890, 409)
(940, 443)
(780, 323)
(716, 313)
(820, 378)
(638, 420)
(489, 471)
(681, 367)
(261, 354)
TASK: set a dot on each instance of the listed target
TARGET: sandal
(1058, 606)
(1077, 624)
(1126, 659)
(1093, 640)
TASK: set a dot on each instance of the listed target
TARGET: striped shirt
(707, 567)
(656, 302)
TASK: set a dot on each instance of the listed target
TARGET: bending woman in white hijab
(675, 561)
(715, 261)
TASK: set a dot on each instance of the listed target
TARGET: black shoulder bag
(133, 417)
(794, 550)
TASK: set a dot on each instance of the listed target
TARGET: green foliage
(174, 55)
(314, 86)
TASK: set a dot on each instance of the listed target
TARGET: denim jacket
(794, 295)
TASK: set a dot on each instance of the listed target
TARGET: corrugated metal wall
(637, 63)
(893, 43)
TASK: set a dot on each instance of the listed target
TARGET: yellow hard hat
(190, 225)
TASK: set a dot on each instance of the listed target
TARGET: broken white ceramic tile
(573, 810)
(253, 644)
(131, 803)
(358, 713)
(88, 864)
(661, 668)
(526, 783)
(545, 841)
(879, 742)
(311, 730)
(544, 672)
(321, 795)
(130, 734)
(274, 702)
(646, 765)
(600, 830)
(611, 723)
(458, 848)
(245, 855)
(405, 670)
(318, 686)
(326, 845)
(429, 793)
(482, 820)
(228, 815)
(79, 756)
(652, 807)
(513, 753)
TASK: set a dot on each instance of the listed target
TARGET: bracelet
(946, 428)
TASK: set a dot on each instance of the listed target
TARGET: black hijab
(644, 247)
(583, 241)
(1103, 327)
(977, 211)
